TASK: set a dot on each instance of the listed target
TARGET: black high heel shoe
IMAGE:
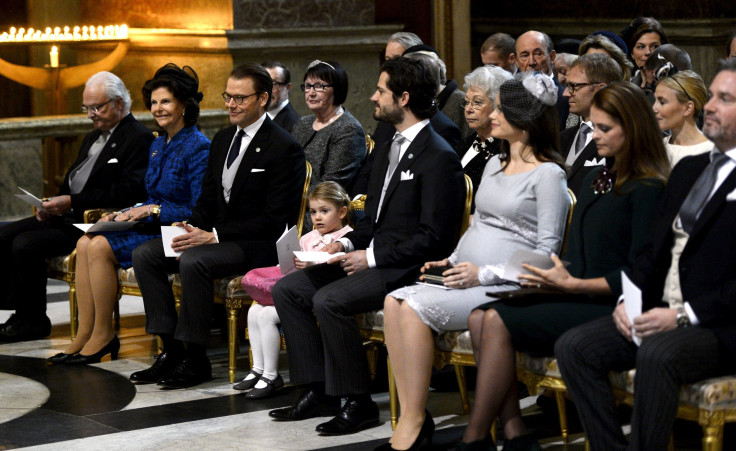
(112, 348)
(425, 432)
(60, 358)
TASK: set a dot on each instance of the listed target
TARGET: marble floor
(45, 406)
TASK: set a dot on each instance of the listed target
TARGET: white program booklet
(632, 303)
(285, 247)
(316, 256)
(30, 198)
(106, 226)
(167, 234)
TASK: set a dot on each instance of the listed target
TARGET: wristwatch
(682, 319)
(156, 210)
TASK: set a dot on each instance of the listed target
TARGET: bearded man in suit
(413, 209)
(108, 172)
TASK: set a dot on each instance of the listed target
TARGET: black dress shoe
(59, 358)
(18, 329)
(247, 384)
(425, 433)
(188, 373)
(268, 390)
(165, 363)
(111, 348)
(352, 418)
(309, 405)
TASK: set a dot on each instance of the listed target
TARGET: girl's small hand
(300, 264)
(555, 277)
(462, 275)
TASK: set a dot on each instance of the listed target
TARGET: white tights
(265, 341)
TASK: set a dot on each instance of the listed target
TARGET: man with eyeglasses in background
(252, 189)
(108, 172)
(586, 76)
(535, 52)
(280, 110)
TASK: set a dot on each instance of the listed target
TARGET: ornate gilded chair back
(573, 201)
(303, 205)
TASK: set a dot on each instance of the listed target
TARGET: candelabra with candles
(56, 79)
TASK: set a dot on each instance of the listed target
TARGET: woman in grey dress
(333, 140)
(530, 215)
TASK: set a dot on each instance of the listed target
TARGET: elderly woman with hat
(530, 215)
(176, 166)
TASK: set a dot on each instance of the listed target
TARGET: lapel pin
(258, 149)
(155, 152)
(410, 156)
(113, 145)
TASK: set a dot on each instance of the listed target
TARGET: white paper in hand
(106, 226)
(30, 198)
(632, 303)
(520, 257)
(167, 234)
(285, 247)
(316, 256)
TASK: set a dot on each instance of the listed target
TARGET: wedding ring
(130, 216)
(461, 283)
(539, 285)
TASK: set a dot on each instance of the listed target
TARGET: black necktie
(698, 195)
(235, 148)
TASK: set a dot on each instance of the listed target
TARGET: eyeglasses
(95, 108)
(237, 98)
(573, 87)
(537, 55)
(318, 87)
(475, 104)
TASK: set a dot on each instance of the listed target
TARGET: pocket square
(731, 196)
(112, 160)
(257, 170)
(593, 162)
(406, 175)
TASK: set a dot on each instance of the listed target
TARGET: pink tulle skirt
(259, 282)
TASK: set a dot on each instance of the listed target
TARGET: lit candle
(54, 56)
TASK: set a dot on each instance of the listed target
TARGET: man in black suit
(280, 110)
(413, 208)
(586, 76)
(108, 172)
(535, 52)
(688, 281)
(251, 191)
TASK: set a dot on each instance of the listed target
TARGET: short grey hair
(114, 88)
(441, 67)
(487, 79)
(405, 39)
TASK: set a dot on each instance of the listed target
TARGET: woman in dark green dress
(611, 224)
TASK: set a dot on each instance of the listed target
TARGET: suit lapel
(256, 148)
(415, 149)
(110, 146)
(590, 151)
(715, 203)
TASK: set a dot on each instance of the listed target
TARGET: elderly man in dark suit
(251, 191)
(108, 172)
(280, 110)
(586, 76)
(413, 208)
(688, 281)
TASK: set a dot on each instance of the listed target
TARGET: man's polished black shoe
(309, 405)
(188, 373)
(165, 363)
(352, 418)
(18, 329)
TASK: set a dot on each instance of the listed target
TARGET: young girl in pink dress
(328, 208)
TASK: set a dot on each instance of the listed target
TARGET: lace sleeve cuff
(490, 274)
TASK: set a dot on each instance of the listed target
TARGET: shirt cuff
(620, 299)
(217, 239)
(370, 257)
(691, 314)
(347, 244)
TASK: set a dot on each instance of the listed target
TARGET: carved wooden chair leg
(73, 315)
(562, 411)
(371, 351)
(712, 424)
(671, 444)
(233, 346)
(494, 427)
(463, 387)
(393, 395)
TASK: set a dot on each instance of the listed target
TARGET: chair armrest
(93, 215)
